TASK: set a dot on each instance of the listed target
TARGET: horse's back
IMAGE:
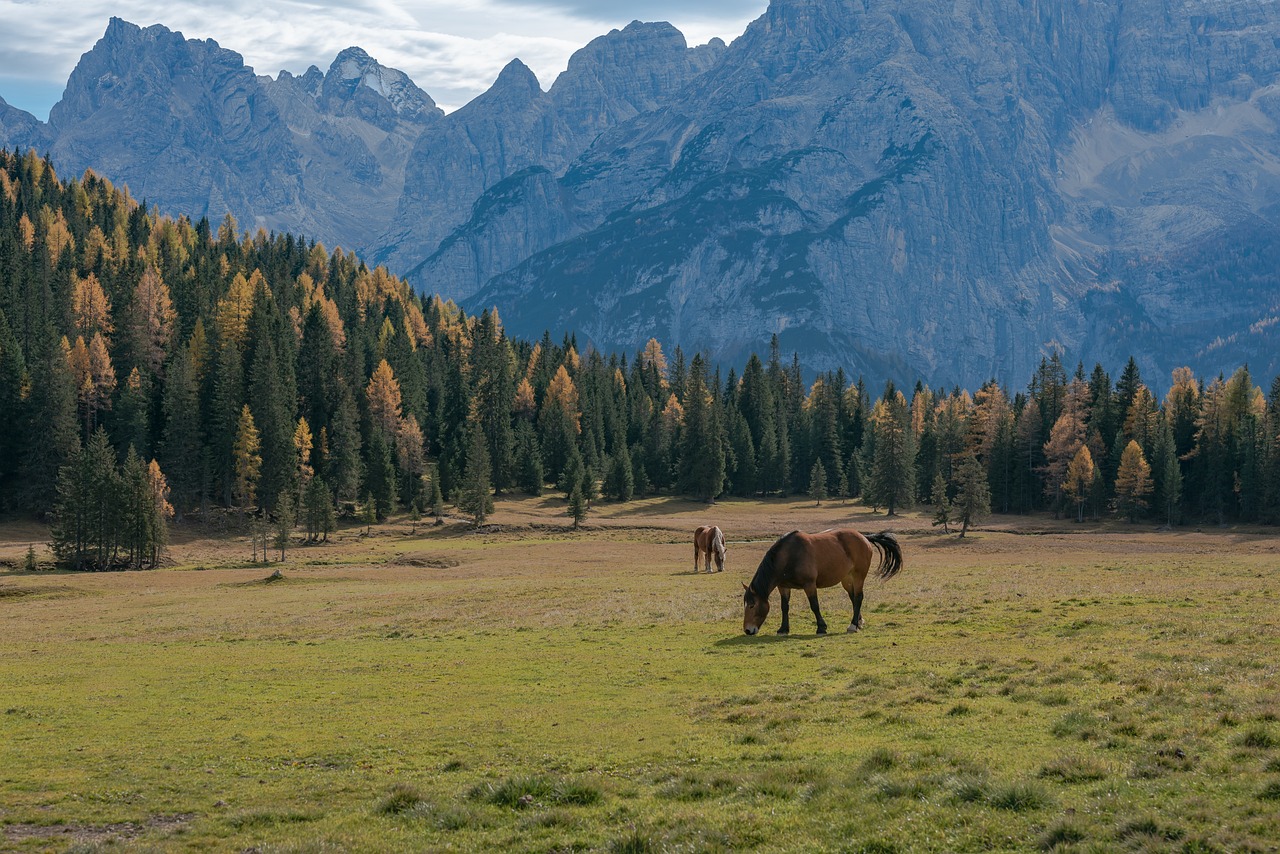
(836, 553)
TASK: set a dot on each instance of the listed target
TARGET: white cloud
(453, 50)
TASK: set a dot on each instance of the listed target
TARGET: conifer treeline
(256, 367)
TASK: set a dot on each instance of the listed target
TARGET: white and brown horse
(806, 562)
(708, 540)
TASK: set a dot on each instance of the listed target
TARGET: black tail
(890, 554)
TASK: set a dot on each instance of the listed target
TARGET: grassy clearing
(530, 687)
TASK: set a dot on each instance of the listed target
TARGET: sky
(453, 49)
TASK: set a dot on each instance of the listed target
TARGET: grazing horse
(708, 540)
(806, 562)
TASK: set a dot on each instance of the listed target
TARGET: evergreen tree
(343, 466)
(941, 505)
(530, 474)
(577, 506)
(317, 510)
(702, 453)
(475, 497)
(183, 440)
(495, 397)
(892, 477)
(436, 498)
(818, 482)
(86, 526)
(285, 520)
(380, 478)
(973, 500)
(619, 482)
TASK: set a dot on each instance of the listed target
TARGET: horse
(708, 540)
(800, 561)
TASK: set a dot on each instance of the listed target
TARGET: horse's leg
(785, 594)
(854, 588)
(812, 592)
(697, 553)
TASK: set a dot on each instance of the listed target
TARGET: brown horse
(806, 562)
(708, 540)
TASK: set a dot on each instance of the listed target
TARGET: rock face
(188, 126)
(940, 190)
(511, 140)
(904, 188)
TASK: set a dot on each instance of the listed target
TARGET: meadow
(1039, 685)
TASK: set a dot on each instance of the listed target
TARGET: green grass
(585, 692)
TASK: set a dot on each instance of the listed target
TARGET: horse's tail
(890, 554)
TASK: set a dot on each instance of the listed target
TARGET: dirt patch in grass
(94, 833)
(424, 562)
(10, 592)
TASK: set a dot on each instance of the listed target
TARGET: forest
(153, 367)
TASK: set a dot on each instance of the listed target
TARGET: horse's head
(755, 609)
(720, 553)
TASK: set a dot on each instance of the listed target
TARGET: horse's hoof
(853, 628)
(822, 630)
(784, 631)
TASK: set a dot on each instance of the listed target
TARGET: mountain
(186, 124)
(515, 139)
(937, 190)
(904, 188)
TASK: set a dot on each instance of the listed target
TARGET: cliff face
(899, 187)
(947, 192)
(515, 134)
(189, 127)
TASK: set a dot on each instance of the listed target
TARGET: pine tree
(87, 521)
(318, 516)
(577, 506)
(530, 476)
(1133, 482)
(941, 505)
(285, 520)
(893, 473)
(702, 453)
(344, 468)
(182, 443)
(380, 475)
(973, 500)
(475, 497)
(495, 397)
(818, 482)
(619, 483)
(436, 498)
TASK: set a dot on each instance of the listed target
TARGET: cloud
(451, 48)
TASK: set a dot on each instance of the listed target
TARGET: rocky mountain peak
(516, 80)
(379, 94)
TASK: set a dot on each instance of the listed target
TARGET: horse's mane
(763, 581)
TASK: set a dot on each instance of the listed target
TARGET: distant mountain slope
(904, 188)
(187, 125)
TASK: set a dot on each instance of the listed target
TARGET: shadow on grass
(748, 640)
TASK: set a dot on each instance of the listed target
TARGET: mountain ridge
(907, 188)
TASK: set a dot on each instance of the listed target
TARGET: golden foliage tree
(1079, 479)
(247, 456)
(1133, 482)
(90, 305)
(152, 319)
(383, 394)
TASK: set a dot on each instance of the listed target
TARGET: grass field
(1039, 685)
